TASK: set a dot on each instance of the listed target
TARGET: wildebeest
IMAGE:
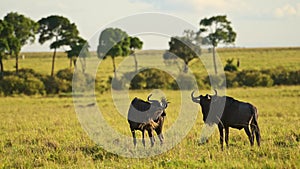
(236, 114)
(147, 115)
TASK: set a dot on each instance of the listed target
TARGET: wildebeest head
(163, 103)
(160, 106)
(204, 102)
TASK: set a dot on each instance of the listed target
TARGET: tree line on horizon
(115, 42)
(17, 30)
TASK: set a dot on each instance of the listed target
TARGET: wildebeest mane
(142, 106)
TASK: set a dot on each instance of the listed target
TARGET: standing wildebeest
(147, 115)
(236, 114)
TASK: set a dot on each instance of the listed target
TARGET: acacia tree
(217, 29)
(79, 48)
(113, 42)
(23, 31)
(59, 30)
(5, 32)
(135, 43)
(186, 47)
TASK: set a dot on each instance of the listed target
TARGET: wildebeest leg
(134, 137)
(143, 137)
(255, 126)
(160, 135)
(257, 135)
(161, 138)
(151, 137)
(255, 129)
(249, 135)
(221, 135)
(226, 135)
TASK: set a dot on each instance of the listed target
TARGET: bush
(248, 78)
(279, 75)
(201, 82)
(230, 67)
(138, 82)
(29, 82)
(65, 74)
(15, 85)
(34, 86)
(12, 85)
(265, 80)
(254, 78)
(152, 79)
(294, 78)
(231, 80)
(54, 85)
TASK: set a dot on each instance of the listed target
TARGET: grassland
(45, 132)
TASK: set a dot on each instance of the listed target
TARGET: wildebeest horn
(195, 99)
(192, 95)
(148, 98)
(216, 92)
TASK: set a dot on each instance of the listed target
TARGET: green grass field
(42, 131)
(45, 132)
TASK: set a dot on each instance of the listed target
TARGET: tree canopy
(113, 42)
(23, 31)
(135, 43)
(110, 43)
(5, 31)
(79, 48)
(186, 48)
(59, 30)
(217, 29)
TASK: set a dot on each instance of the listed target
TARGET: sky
(268, 23)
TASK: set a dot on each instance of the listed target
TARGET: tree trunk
(17, 63)
(83, 64)
(74, 62)
(214, 60)
(114, 66)
(70, 63)
(53, 61)
(135, 62)
(1, 68)
(185, 67)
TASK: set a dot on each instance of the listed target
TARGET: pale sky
(268, 23)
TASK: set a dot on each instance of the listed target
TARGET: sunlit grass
(45, 132)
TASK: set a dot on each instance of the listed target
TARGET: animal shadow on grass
(97, 153)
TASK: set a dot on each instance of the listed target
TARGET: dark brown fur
(236, 114)
(146, 116)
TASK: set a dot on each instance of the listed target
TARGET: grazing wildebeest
(147, 115)
(236, 114)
